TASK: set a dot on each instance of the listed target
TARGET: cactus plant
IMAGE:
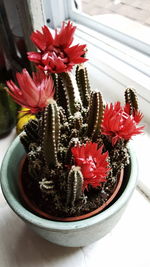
(83, 84)
(76, 146)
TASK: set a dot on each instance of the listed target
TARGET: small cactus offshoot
(76, 145)
(131, 99)
(74, 185)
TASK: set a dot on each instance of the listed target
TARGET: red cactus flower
(34, 93)
(119, 124)
(138, 116)
(94, 165)
(56, 55)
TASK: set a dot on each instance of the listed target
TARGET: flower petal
(34, 57)
(65, 37)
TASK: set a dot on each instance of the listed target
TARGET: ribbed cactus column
(83, 84)
(95, 115)
(131, 98)
(51, 132)
(66, 93)
(74, 185)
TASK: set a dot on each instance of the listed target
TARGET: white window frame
(56, 11)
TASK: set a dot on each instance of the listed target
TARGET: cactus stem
(95, 115)
(83, 84)
(131, 99)
(74, 185)
(51, 134)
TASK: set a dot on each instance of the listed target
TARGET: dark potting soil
(93, 199)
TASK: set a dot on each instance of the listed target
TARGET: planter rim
(66, 226)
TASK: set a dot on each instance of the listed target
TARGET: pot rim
(66, 226)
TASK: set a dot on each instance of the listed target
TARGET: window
(129, 17)
(122, 57)
(124, 20)
(113, 24)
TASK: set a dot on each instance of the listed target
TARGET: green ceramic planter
(71, 234)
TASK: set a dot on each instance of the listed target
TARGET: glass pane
(129, 16)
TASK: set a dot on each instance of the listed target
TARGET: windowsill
(129, 240)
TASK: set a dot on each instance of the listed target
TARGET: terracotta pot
(70, 234)
(41, 213)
